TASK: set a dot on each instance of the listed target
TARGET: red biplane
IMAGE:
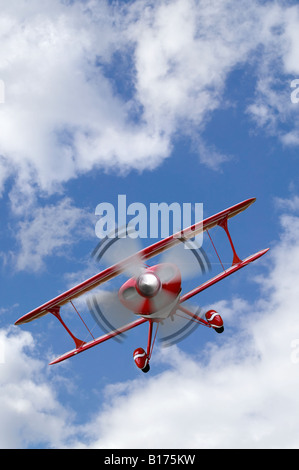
(153, 294)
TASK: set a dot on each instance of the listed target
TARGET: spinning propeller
(152, 291)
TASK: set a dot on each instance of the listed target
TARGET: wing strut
(150, 341)
(82, 320)
(223, 224)
(56, 312)
(215, 250)
(193, 316)
(78, 342)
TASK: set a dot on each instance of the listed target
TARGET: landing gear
(141, 357)
(146, 368)
(219, 330)
(215, 320)
(212, 320)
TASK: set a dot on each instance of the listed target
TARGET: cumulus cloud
(30, 410)
(61, 117)
(181, 76)
(236, 393)
(272, 107)
(64, 106)
(48, 231)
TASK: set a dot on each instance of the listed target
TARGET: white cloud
(31, 414)
(50, 231)
(209, 155)
(291, 139)
(62, 114)
(277, 66)
(290, 205)
(237, 393)
(291, 56)
(184, 52)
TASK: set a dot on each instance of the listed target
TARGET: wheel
(219, 330)
(146, 368)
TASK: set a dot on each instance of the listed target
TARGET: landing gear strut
(141, 357)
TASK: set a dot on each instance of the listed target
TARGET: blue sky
(168, 101)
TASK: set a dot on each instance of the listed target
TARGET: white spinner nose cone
(148, 284)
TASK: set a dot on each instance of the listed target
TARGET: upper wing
(144, 254)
